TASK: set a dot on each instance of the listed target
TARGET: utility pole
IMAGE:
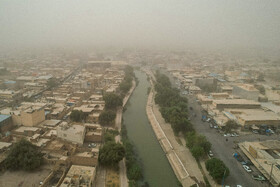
(271, 173)
(224, 178)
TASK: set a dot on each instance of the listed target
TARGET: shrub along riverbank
(133, 166)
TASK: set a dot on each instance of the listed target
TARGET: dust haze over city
(130, 93)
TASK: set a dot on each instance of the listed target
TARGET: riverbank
(180, 158)
(118, 125)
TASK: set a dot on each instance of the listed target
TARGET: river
(156, 168)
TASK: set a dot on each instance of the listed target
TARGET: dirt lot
(24, 179)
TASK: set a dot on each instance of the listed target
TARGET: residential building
(72, 133)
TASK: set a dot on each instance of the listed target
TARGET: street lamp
(224, 177)
(272, 163)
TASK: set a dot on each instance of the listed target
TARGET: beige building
(79, 176)
(224, 95)
(235, 103)
(256, 117)
(32, 116)
(246, 91)
(72, 133)
(265, 157)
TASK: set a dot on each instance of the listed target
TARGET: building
(255, 117)
(206, 84)
(6, 123)
(32, 116)
(72, 133)
(9, 94)
(235, 103)
(79, 176)
(194, 90)
(224, 95)
(266, 158)
(246, 91)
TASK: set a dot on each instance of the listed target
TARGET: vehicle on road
(247, 168)
(255, 131)
(237, 157)
(235, 134)
(91, 145)
(210, 154)
(247, 162)
(258, 177)
(211, 125)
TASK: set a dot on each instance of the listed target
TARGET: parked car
(258, 177)
(210, 124)
(91, 145)
(237, 157)
(210, 154)
(235, 134)
(247, 162)
(216, 127)
(247, 168)
(255, 131)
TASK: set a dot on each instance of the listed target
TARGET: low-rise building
(246, 91)
(6, 123)
(32, 116)
(79, 176)
(235, 103)
(72, 133)
(265, 157)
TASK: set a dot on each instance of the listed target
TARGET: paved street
(224, 149)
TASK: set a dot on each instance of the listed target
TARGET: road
(224, 149)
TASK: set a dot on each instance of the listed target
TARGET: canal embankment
(180, 158)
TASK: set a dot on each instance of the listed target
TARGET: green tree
(190, 139)
(197, 152)
(261, 89)
(217, 169)
(107, 117)
(111, 153)
(230, 125)
(52, 83)
(204, 143)
(77, 116)
(24, 155)
(260, 77)
(112, 101)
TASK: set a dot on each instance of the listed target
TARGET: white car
(247, 168)
(210, 154)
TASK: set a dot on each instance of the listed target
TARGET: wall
(34, 118)
(245, 94)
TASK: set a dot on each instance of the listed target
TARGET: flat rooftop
(236, 102)
(4, 144)
(23, 128)
(4, 117)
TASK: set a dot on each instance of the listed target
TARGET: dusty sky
(213, 24)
